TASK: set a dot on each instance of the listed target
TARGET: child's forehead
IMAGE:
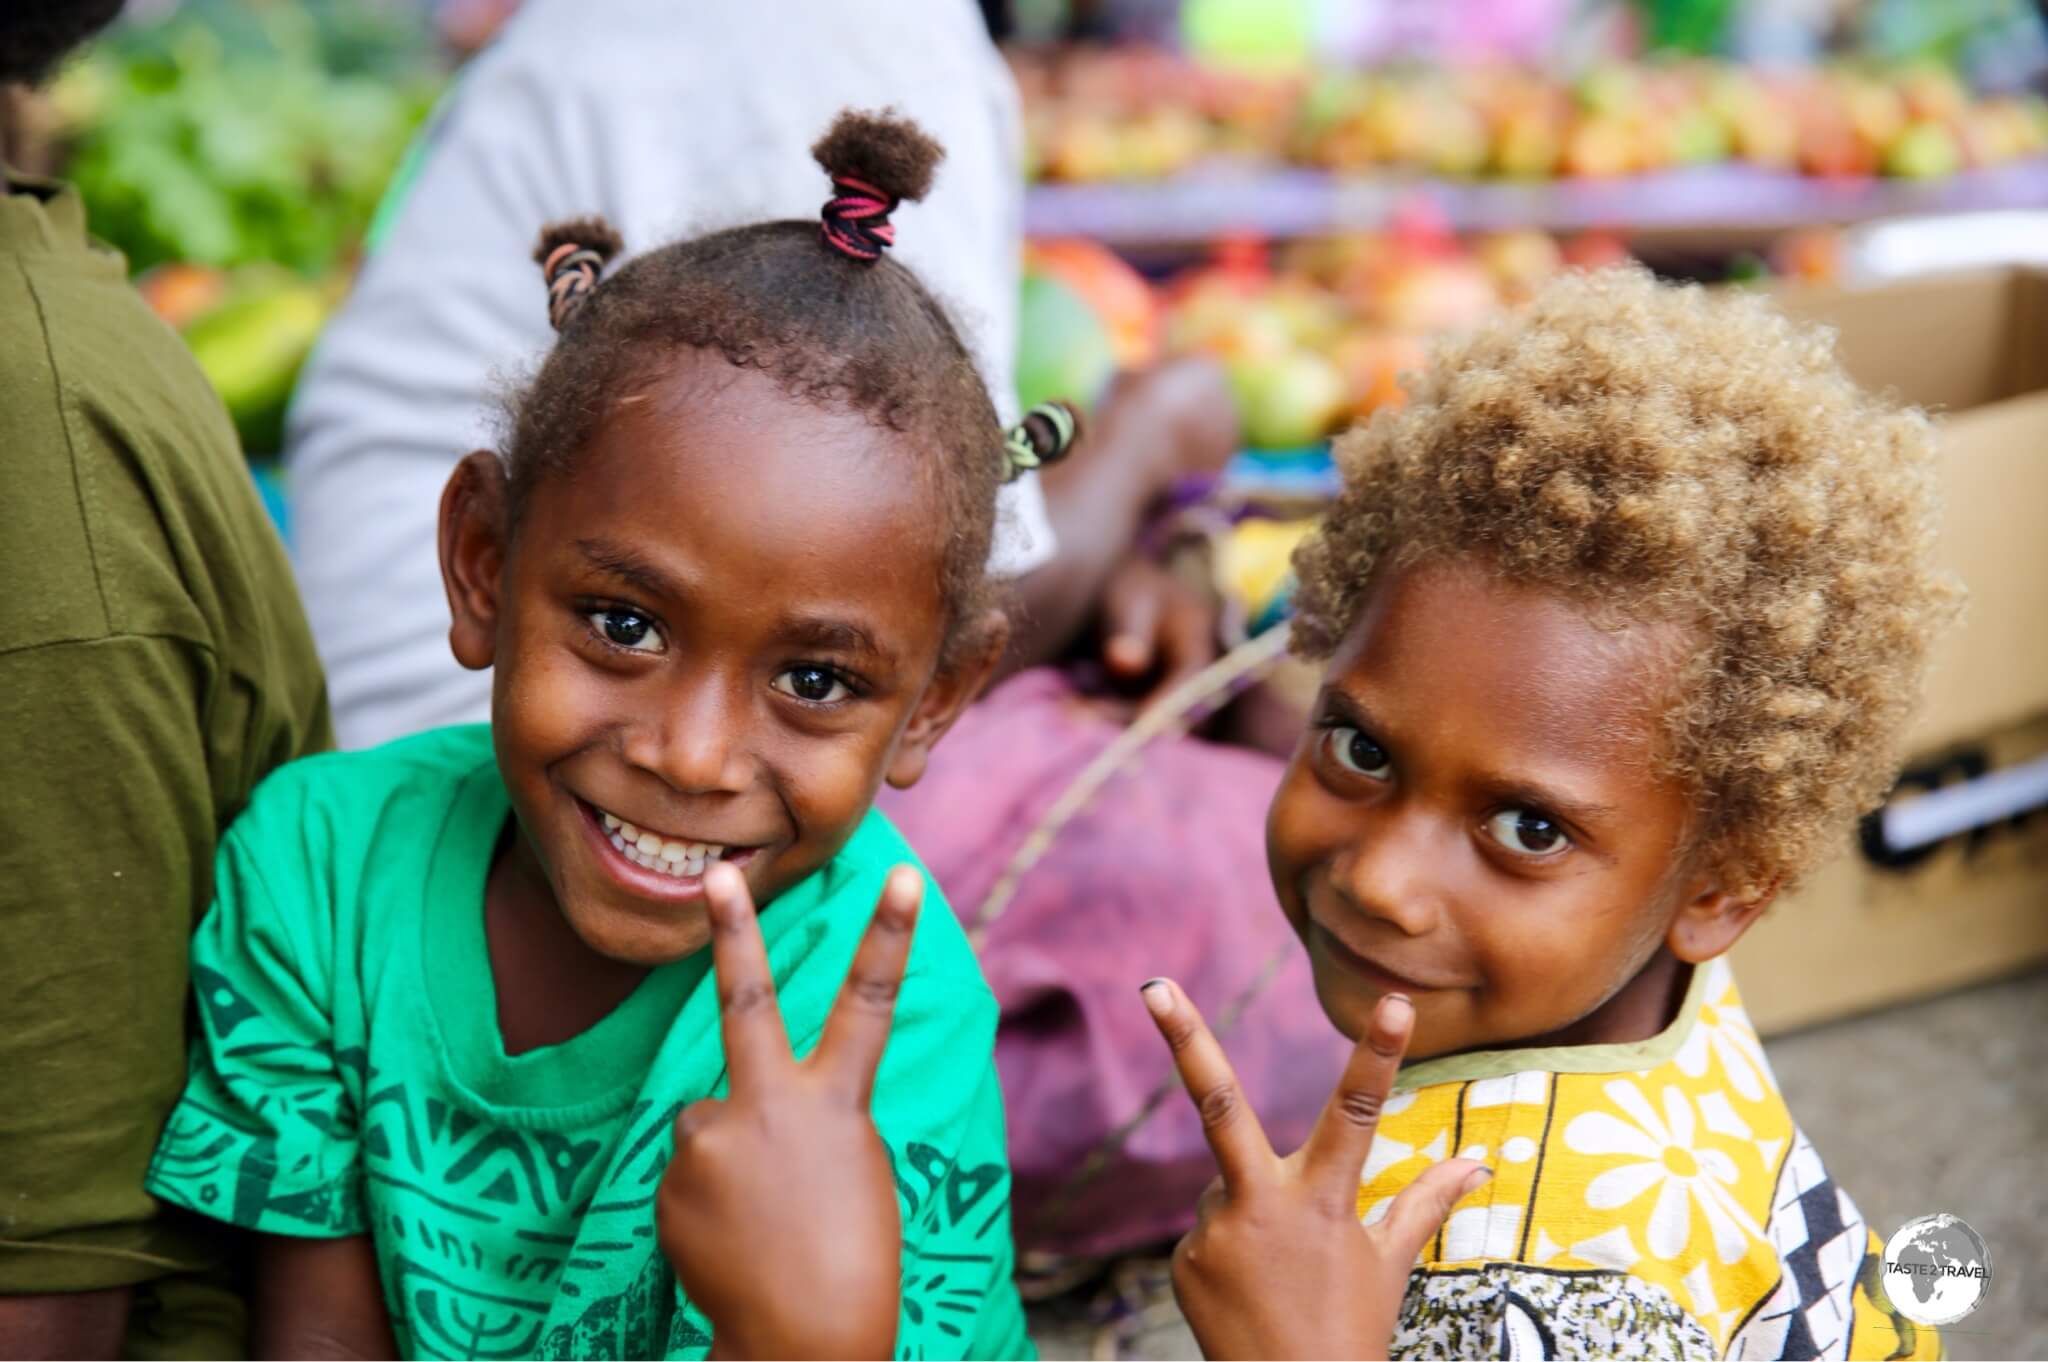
(1446, 637)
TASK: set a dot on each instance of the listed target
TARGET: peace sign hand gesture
(778, 1209)
(1278, 1264)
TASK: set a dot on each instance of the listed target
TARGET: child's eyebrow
(1512, 790)
(627, 566)
(832, 635)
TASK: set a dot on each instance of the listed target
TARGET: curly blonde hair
(1674, 454)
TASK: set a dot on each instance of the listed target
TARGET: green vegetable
(234, 131)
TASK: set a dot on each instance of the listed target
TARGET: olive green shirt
(154, 665)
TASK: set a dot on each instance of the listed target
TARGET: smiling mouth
(1379, 976)
(677, 858)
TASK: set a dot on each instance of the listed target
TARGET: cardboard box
(1973, 348)
(1861, 935)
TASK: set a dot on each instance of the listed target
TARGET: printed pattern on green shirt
(350, 1078)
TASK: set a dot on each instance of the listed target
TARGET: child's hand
(1279, 1265)
(778, 1210)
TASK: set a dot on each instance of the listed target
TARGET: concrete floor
(1938, 1106)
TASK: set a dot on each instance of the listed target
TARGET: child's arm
(778, 1210)
(318, 1298)
(1278, 1264)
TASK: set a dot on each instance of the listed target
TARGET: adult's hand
(1278, 1264)
(1157, 631)
(778, 1209)
(1154, 427)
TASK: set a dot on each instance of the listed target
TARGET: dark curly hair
(827, 326)
(1680, 455)
(35, 35)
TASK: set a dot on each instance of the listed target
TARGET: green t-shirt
(154, 665)
(352, 1079)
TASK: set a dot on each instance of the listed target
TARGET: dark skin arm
(1154, 426)
(318, 1298)
(75, 1324)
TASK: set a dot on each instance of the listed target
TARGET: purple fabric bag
(1162, 873)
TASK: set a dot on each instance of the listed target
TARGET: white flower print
(1722, 1031)
(1663, 1156)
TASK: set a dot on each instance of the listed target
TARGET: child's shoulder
(341, 803)
(425, 764)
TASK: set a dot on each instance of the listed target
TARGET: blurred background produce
(235, 152)
(1308, 190)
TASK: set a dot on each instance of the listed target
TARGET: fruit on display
(1064, 348)
(1316, 335)
(251, 329)
(1119, 295)
(1108, 114)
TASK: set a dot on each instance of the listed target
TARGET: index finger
(1335, 1154)
(1228, 1123)
(748, 1016)
(857, 1030)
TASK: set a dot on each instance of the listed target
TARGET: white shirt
(671, 118)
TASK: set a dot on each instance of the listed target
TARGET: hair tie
(1044, 436)
(571, 272)
(857, 219)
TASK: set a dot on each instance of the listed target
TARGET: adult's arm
(1153, 427)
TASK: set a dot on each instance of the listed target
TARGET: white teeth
(681, 859)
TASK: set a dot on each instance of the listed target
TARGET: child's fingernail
(1396, 1010)
(1478, 1180)
(1158, 997)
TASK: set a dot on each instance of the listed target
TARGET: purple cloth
(1164, 873)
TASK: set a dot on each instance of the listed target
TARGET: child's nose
(694, 742)
(1396, 874)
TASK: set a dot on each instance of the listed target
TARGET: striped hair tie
(1044, 436)
(856, 219)
(571, 272)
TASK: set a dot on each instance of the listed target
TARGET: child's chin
(1350, 1007)
(632, 939)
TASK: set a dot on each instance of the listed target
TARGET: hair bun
(572, 255)
(876, 161)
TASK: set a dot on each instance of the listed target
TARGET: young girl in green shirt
(729, 572)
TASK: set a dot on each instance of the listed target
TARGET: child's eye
(1356, 752)
(624, 628)
(818, 685)
(1527, 832)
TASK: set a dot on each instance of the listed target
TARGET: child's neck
(551, 986)
(1644, 1006)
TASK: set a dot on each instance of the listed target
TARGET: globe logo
(1936, 1269)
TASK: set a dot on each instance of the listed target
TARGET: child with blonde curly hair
(1624, 616)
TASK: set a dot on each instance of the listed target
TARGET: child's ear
(472, 541)
(950, 692)
(1711, 920)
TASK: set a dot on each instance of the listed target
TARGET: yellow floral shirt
(1648, 1200)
